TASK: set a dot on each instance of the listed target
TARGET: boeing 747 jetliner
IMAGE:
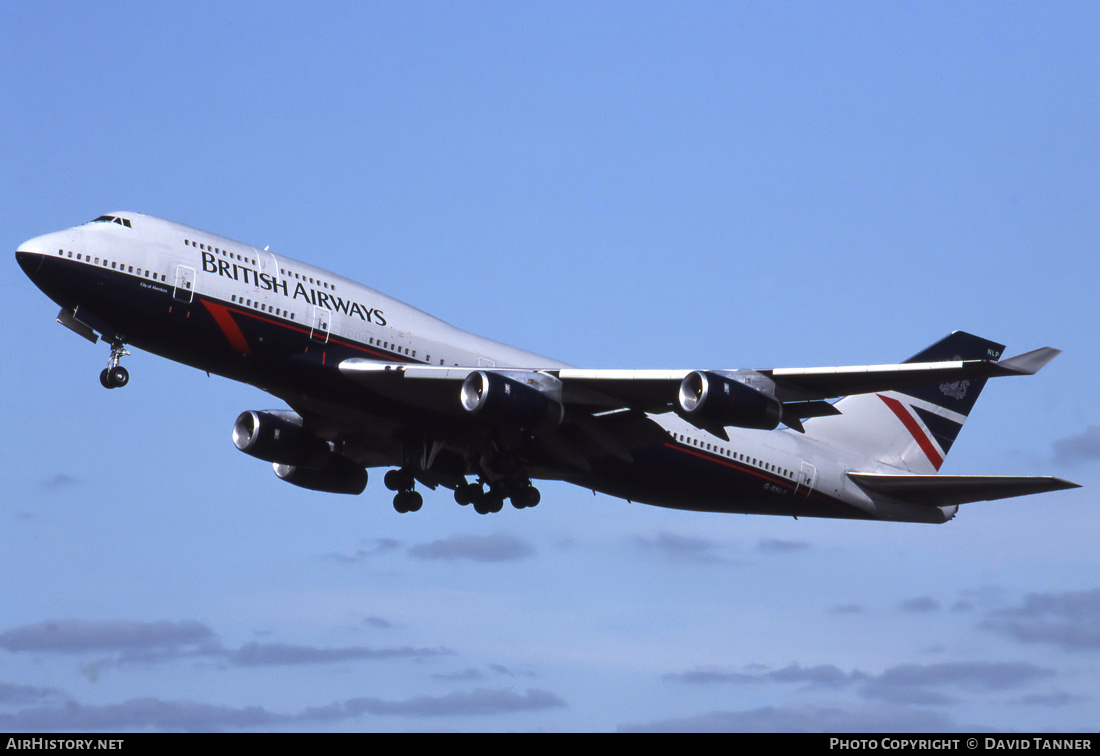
(372, 382)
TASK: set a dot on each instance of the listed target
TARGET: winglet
(1030, 363)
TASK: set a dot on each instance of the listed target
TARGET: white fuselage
(148, 264)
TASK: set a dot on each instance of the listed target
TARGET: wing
(711, 399)
(653, 389)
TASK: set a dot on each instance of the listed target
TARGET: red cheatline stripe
(910, 423)
(229, 326)
(740, 468)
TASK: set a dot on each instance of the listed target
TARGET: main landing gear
(406, 499)
(114, 375)
(501, 477)
(485, 500)
(521, 493)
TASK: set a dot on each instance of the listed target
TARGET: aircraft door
(805, 484)
(320, 325)
(268, 264)
(184, 290)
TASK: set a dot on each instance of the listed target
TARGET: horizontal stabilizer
(1031, 362)
(948, 490)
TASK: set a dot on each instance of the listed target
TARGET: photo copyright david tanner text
(1047, 743)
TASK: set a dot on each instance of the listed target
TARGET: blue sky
(613, 185)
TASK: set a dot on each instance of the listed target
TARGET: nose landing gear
(114, 375)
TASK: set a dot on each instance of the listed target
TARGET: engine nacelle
(278, 436)
(496, 397)
(711, 399)
(340, 476)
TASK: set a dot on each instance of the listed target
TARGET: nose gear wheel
(114, 375)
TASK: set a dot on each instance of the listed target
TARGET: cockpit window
(113, 219)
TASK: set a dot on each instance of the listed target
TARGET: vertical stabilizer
(913, 429)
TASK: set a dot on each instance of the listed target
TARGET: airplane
(371, 382)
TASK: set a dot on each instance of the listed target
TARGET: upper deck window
(113, 219)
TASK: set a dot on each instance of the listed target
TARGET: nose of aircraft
(32, 252)
(29, 255)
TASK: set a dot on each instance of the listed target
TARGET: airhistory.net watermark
(64, 744)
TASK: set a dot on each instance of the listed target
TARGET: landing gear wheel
(491, 502)
(405, 498)
(114, 377)
(408, 501)
(467, 493)
(527, 497)
(118, 376)
(398, 480)
(488, 503)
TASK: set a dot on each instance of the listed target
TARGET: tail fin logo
(956, 390)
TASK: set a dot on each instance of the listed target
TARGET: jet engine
(497, 397)
(709, 399)
(278, 436)
(340, 475)
(299, 457)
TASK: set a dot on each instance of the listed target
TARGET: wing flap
(948, 490)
